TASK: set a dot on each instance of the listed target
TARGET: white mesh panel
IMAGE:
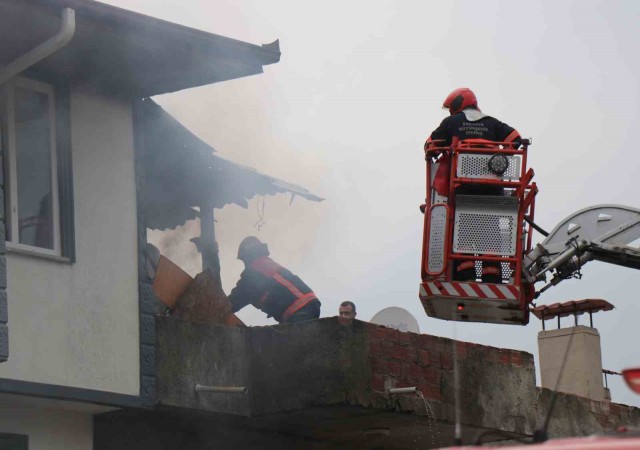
(485, 224)
(437, 229)
(476, 166)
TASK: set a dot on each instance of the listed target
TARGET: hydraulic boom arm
(600, 233)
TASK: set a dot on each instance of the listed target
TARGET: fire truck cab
(479, 207)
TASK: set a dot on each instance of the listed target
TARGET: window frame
(12, 208)
(57, 88)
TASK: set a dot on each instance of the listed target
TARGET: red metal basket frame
(525, 190)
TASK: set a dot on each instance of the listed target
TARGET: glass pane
(33, 158)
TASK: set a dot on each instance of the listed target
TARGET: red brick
(435, 359)
(412, 355)
(375, 348)
(423, 357)
(379, 365)
(446, 345)
(401, 337)
(378, 332)
(415, 339)
(446, 361)
(394, 351)
(431, 376)
(516, 358)
(395, 368)
(431, 392)
(461, 348)
(504, 357)
(377, 383)
(428, 342)
(413, 372)
(388, 349)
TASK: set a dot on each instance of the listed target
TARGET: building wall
(48, 425)
(78, 324)
(328, 380)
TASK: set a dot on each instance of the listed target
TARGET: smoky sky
(347, 109)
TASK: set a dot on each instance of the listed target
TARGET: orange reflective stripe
(270, 268)
(266, 266)
(299, 303)
(514, 134)
(286, 283)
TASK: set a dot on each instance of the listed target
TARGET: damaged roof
(182, 172)
(126, 53)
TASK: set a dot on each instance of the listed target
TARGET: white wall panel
(77, 324)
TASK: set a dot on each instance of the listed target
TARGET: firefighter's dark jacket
(472, 124)
(271, 288)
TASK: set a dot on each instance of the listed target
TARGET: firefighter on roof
(270, 287)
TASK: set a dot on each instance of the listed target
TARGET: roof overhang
(182, 172)
(127, 53)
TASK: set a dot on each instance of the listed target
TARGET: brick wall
(398, 359)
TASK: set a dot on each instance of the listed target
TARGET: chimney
(570, 358)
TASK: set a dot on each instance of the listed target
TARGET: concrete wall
(48, 425)
(329, 379)
(77, 324)
(326, 362)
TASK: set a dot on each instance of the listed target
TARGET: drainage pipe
(222, 389)
(47, 48)
(403, 390)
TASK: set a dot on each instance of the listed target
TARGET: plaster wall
(47, 426)
(77, 324)
(582, 374)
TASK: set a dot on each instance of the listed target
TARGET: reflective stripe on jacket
(271, 288)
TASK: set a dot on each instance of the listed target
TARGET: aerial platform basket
(479, 202)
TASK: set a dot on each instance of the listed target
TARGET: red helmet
(251, 247)
(460, 99)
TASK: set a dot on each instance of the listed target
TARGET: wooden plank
(170, 282)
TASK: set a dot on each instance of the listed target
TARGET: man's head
(347, 310)
(460, 99)
(251, 248)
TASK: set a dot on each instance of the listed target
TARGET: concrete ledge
(330, 378)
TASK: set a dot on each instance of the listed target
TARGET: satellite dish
(397, 318)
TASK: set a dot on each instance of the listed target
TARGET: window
(32, 204)
(34, 165)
